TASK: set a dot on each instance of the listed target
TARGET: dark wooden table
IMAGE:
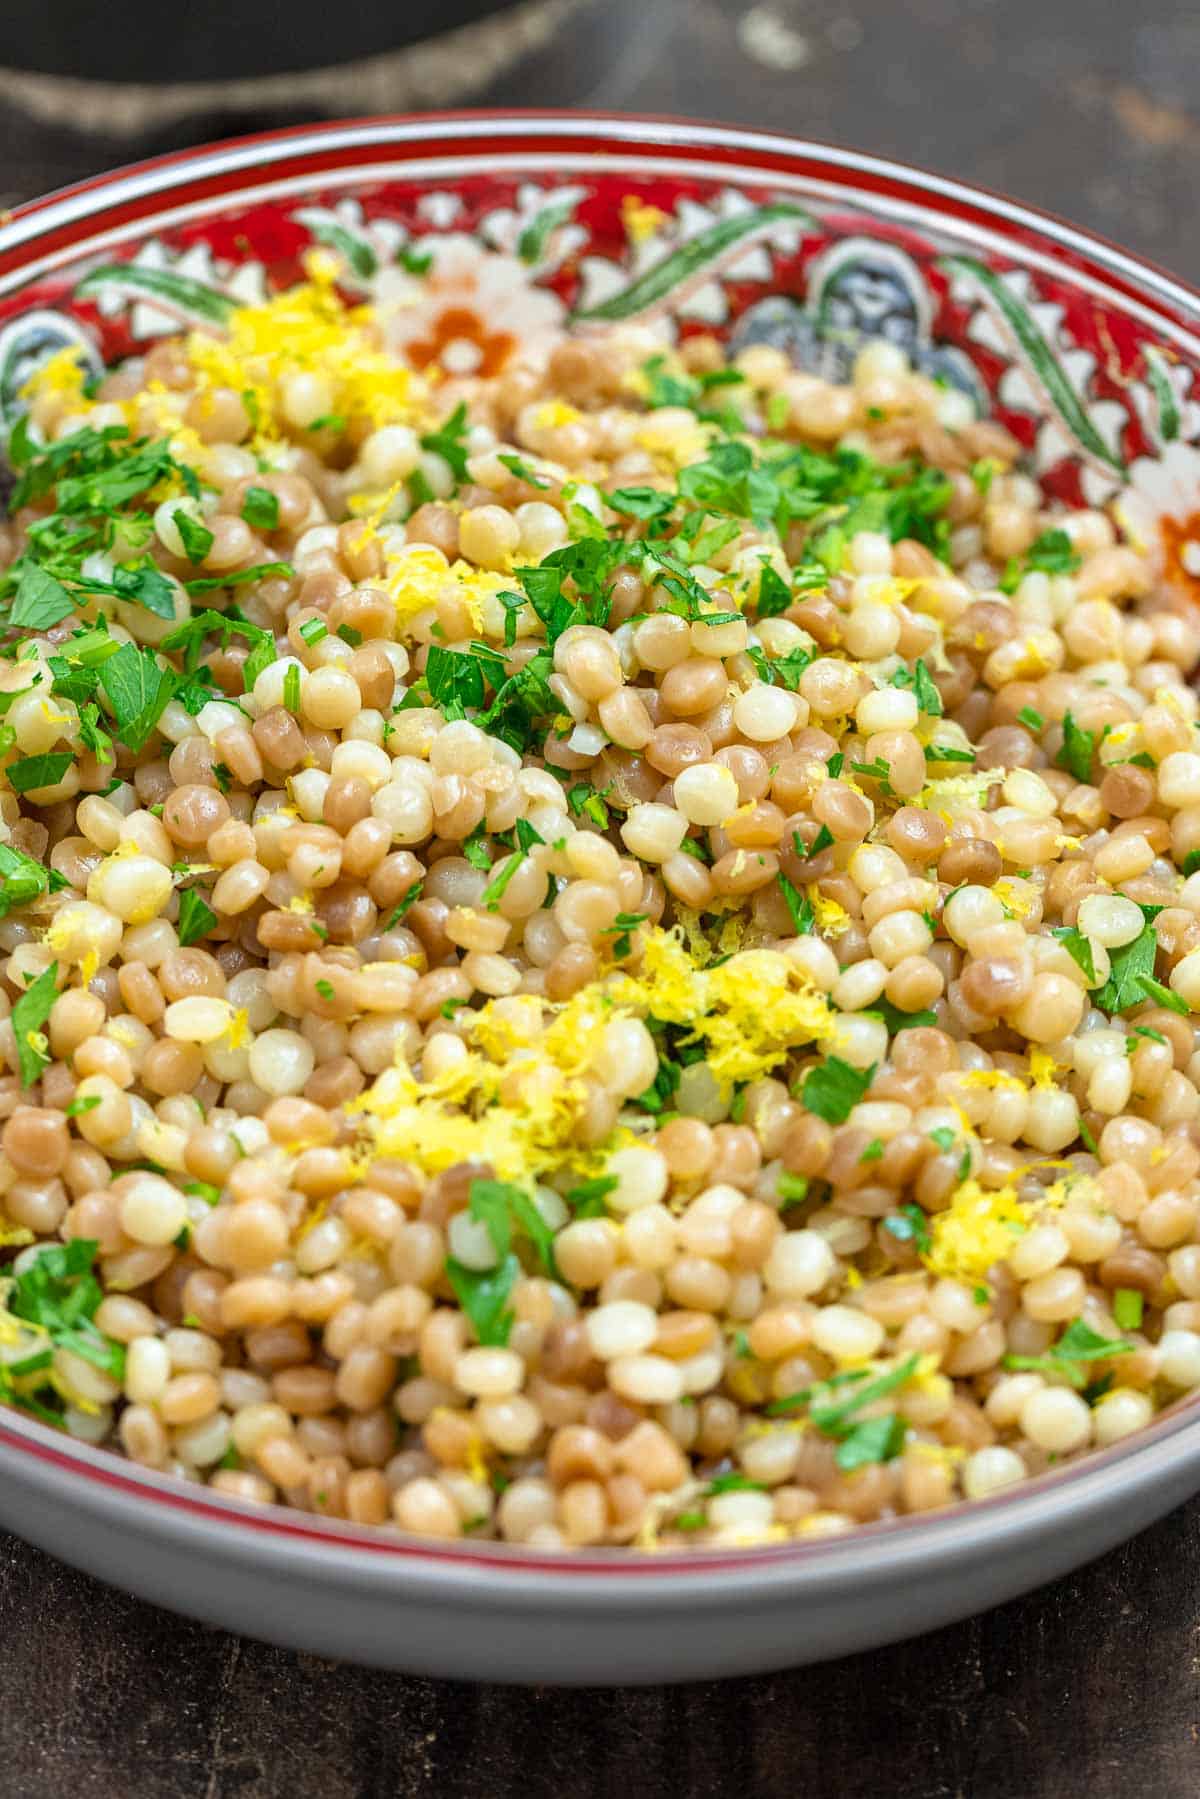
(1089, 1690)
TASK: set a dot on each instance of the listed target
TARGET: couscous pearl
(152, 1211)
(1179, 1358)
(800, 1264)
(1119, 1413)
(1056, 1420)
(646, 1379)
(845, 1334)
(623, 1328)
(989, 1470)
(489, 1373)
(706, 794)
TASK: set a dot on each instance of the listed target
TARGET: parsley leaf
(1053, 553)
(896, 1020)
(1128, 1307)
(138, 691)
(29, 1013)
(587, 1199)
(641, 502)
(449, 441)
(1129, 967)
(1078, 1345)
(238, 578)
(1077, 749)
(197, 539)
(791, 1188)
(483, 1296)
(871, 1440)
(1079, 948)
(32, 772)
(260, 509)
(799, 905)
(40, 601)
(196, 918)
(833, 1088)
(910, 1225)
(924, 690)
(522, 471)
(501, 1206)
(21, 879)
(774, 594)
(1164, 996)
(58, 1292)
(410, 899)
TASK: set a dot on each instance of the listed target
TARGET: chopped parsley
(32, 772)
(262, 571)
(623, 925)
(410, 899)
(138, 691)
(449, 441)
(896, 1020)
(29, 1013)
(1078, 747)
(587, 1199)
(1131, 967)
(1052, 553)
(1128, 1307)
(260, 509)
(1079, 948)
(910, 1225)
(1078, 1346)
(791, 1188)
(21, 879)
(483, 1296)
(833, 1088)
(59, 1294)
(799, 906)
(522, 471)
(1164, 996)
(196, 918)
(197, 539)
(922, 684)
(833, 1406)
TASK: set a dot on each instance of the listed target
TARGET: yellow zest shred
(310, 330)
(417, 576)
(978, 1228)
(516, 1098)
(829, 915)
(553, 413)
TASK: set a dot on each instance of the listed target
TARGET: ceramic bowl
(528, 223)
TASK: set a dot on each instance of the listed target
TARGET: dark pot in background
(141, 41)
(86, 87)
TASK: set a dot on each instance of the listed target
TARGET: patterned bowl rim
(47, 232)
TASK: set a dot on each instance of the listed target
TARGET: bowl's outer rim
(345, 1552)
(345, 1556)
(1134, 277)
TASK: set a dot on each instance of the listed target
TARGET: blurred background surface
(1087, 109)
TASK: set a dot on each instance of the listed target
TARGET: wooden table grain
(1089, 1688)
